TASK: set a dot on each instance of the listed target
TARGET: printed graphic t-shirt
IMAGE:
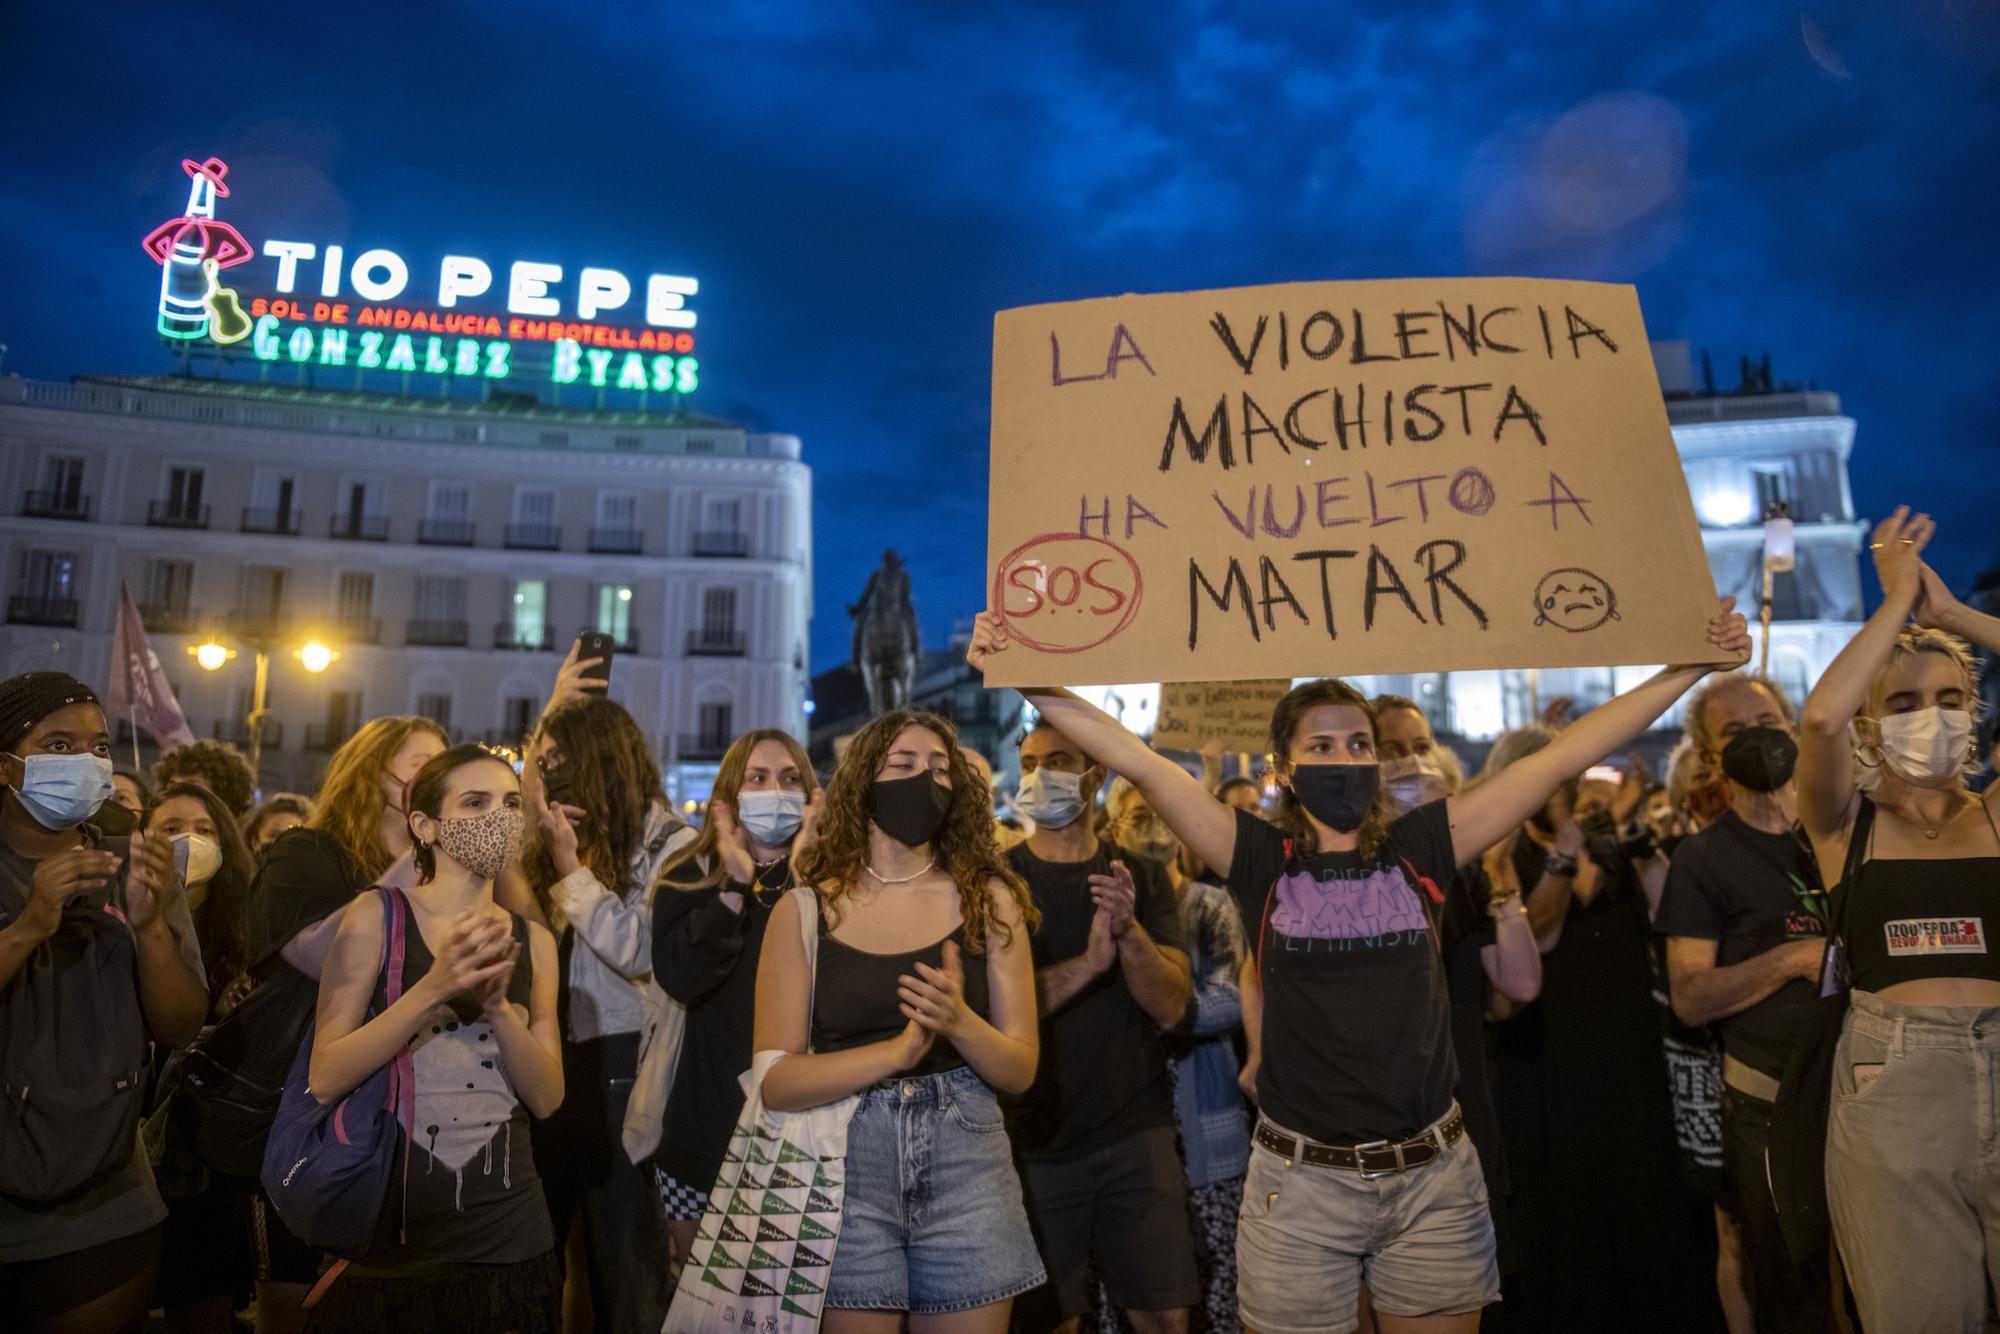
(1357, 1043)
(1750, 892)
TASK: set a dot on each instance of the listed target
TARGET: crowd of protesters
(1362, 1041)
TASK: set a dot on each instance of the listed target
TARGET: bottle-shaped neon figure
(180, 246)
(183, 286)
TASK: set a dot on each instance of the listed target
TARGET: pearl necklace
(904, 880)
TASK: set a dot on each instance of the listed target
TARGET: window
(62, 477)
(169, 584)
(614, 612)
(273, 496)
(528, 611)
(262, 590)
(701, 445)
(715, 725)
(628, 442)
(718, 615)
(1774, 487)
(48, 575)
(451, 501)
(519, 712)
(356, 598)
(343, 713)
(437, 708)
(723, 515)
(535, 507)
(184, 491)
(440, 598)
(357, 501)
(617, 510)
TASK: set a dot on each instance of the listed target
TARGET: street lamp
(212, 656)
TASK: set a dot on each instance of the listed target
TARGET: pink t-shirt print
(1373, 910)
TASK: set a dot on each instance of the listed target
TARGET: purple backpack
(327, 1169)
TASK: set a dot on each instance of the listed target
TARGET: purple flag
(138, 687)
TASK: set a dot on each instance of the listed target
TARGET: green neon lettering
(496, 359)
(568, 361)
(402, 354)
(632, 372)
(434, 361)
(371, 349)
(264, 340)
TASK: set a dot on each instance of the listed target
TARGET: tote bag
(765, 1246)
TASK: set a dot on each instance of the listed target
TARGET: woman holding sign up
(1361, 1158)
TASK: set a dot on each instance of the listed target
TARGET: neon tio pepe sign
(321, 307)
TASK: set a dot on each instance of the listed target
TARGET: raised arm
(1196, 817)
(805, 1079)
(1825, 772)
(1482, 814)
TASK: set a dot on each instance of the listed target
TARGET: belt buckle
(1368, 1174)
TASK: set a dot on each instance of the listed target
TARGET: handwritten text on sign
(1236, 713)
(1337, 478)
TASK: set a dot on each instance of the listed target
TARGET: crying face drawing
(1575, 600)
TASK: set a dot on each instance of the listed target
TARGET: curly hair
(1286, 719)
(728, 783)
(349, 804)
(222, 922)
(964, 845)
(610, 774)
(217, 766)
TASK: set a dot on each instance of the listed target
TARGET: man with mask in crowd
(1095, 1135)
(1744, 917)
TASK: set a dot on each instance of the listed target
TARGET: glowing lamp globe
(211, 656)
(316, 657)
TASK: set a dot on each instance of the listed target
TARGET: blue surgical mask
(770, 818)
(62, 791)
(1051, 799)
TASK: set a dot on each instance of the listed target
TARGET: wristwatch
(1558, 864)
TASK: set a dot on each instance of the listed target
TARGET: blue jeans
(932, 1221)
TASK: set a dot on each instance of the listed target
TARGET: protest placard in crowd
(1337, 478)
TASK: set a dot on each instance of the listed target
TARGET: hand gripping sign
(1337, 478)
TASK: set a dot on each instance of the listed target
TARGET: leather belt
(1747, 1080)
(1377, 1158)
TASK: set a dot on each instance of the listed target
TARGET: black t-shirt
(1103, 1074)
(1357, 1043)
(1750, 892)
(305, 876)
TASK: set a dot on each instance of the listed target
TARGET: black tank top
(855, 1002)
(1912, 919)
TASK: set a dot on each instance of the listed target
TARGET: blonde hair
(1914, 639)
(1694, 718)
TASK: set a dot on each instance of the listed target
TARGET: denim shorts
(932, 1222)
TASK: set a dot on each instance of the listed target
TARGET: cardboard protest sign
(1238, 713)
(1337, 478)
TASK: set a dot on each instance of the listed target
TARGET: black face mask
(910, 810)
(1600, 836)
(1338, 795)
(1760, 759)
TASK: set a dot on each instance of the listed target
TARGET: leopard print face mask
(482, 844)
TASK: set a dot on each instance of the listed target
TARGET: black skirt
(520, 1298)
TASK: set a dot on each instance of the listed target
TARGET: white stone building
(448, 551)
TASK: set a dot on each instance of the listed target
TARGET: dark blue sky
(860, 186)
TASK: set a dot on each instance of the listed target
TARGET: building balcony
(257, 623)
(446, 532)
(716, 644)
(437, 634)
(41, 611)
(359, 527)
(358, 629)
(702, 746)
(628, 643)
(169, 514)
(166, 618)
(722, 544)
(277, 523)
(325, 738)
(236, 731)
(54, 505)
(617, 541)
(533, 537)
(523, 638)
